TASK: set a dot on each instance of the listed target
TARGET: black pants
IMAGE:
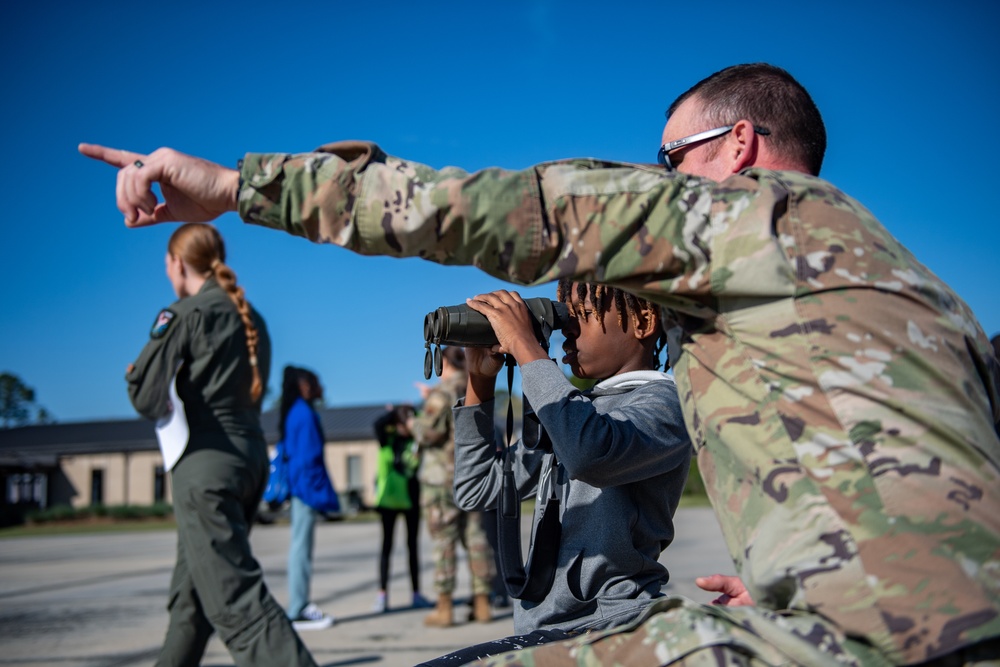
(412, 517)
(470, 654)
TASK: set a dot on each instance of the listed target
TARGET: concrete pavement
(100, 600)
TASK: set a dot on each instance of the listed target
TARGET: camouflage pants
(677, 631)
(448, 525)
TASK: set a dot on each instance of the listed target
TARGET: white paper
(172, 430)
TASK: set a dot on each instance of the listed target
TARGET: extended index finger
(712, 582)
(116, 157)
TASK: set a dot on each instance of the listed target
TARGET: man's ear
(645, 323)
(742, 146)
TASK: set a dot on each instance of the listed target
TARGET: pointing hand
(194, 190)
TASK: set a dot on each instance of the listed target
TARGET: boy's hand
(483, 362)
(734, 593)
(512, 323)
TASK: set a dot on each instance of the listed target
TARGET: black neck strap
(531, 582)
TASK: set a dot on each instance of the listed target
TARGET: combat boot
(441, 616)
(481, 612)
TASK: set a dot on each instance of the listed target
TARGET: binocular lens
(438, 361)
(429, 326)
(440, 322)
(428, 364)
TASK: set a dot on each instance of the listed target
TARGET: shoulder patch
(162, 323)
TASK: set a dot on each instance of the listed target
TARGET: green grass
(63, 520)
(66, 520)
(87, 527)
(65, 513)
(693, 501)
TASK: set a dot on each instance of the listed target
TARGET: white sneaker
(313, 618)
(381, 603)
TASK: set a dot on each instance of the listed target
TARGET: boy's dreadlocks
(601, 296)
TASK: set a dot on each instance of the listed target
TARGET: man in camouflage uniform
(843, 401)
(434, 430)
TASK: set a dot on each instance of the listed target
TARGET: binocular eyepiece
(461, 325)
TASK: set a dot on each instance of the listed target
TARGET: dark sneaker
(420, 602)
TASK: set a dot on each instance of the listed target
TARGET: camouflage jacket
(843, 401)
(434, 431)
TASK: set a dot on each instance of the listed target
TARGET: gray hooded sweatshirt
(621, 460)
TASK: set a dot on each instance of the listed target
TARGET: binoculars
(461, 325)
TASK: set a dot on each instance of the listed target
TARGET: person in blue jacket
(311, 489)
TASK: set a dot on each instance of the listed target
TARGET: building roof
(41, 446)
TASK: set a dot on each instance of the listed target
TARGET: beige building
(119, 462)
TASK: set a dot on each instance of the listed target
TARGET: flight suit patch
(162, 323)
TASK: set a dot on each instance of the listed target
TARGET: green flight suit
(842, 400)
(217, 482)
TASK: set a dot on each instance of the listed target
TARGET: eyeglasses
(663, 157)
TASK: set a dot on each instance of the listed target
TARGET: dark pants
(472, 653)
(217, 583)
(412, 517)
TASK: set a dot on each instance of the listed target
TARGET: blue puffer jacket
(307, 474)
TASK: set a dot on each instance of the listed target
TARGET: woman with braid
(615, 457)
(214, 348)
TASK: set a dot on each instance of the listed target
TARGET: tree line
(18, 406)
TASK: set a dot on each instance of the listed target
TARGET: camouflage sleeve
(150, 375)
(557, 219)
(432, 425)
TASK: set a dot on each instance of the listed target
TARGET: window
(27, 489)
(96, 487)
(159, 484)
(355, 480)
(355, 483)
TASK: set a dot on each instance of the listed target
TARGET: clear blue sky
(909, 92)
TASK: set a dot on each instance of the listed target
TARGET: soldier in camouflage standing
(434, 430)
(843, 401)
